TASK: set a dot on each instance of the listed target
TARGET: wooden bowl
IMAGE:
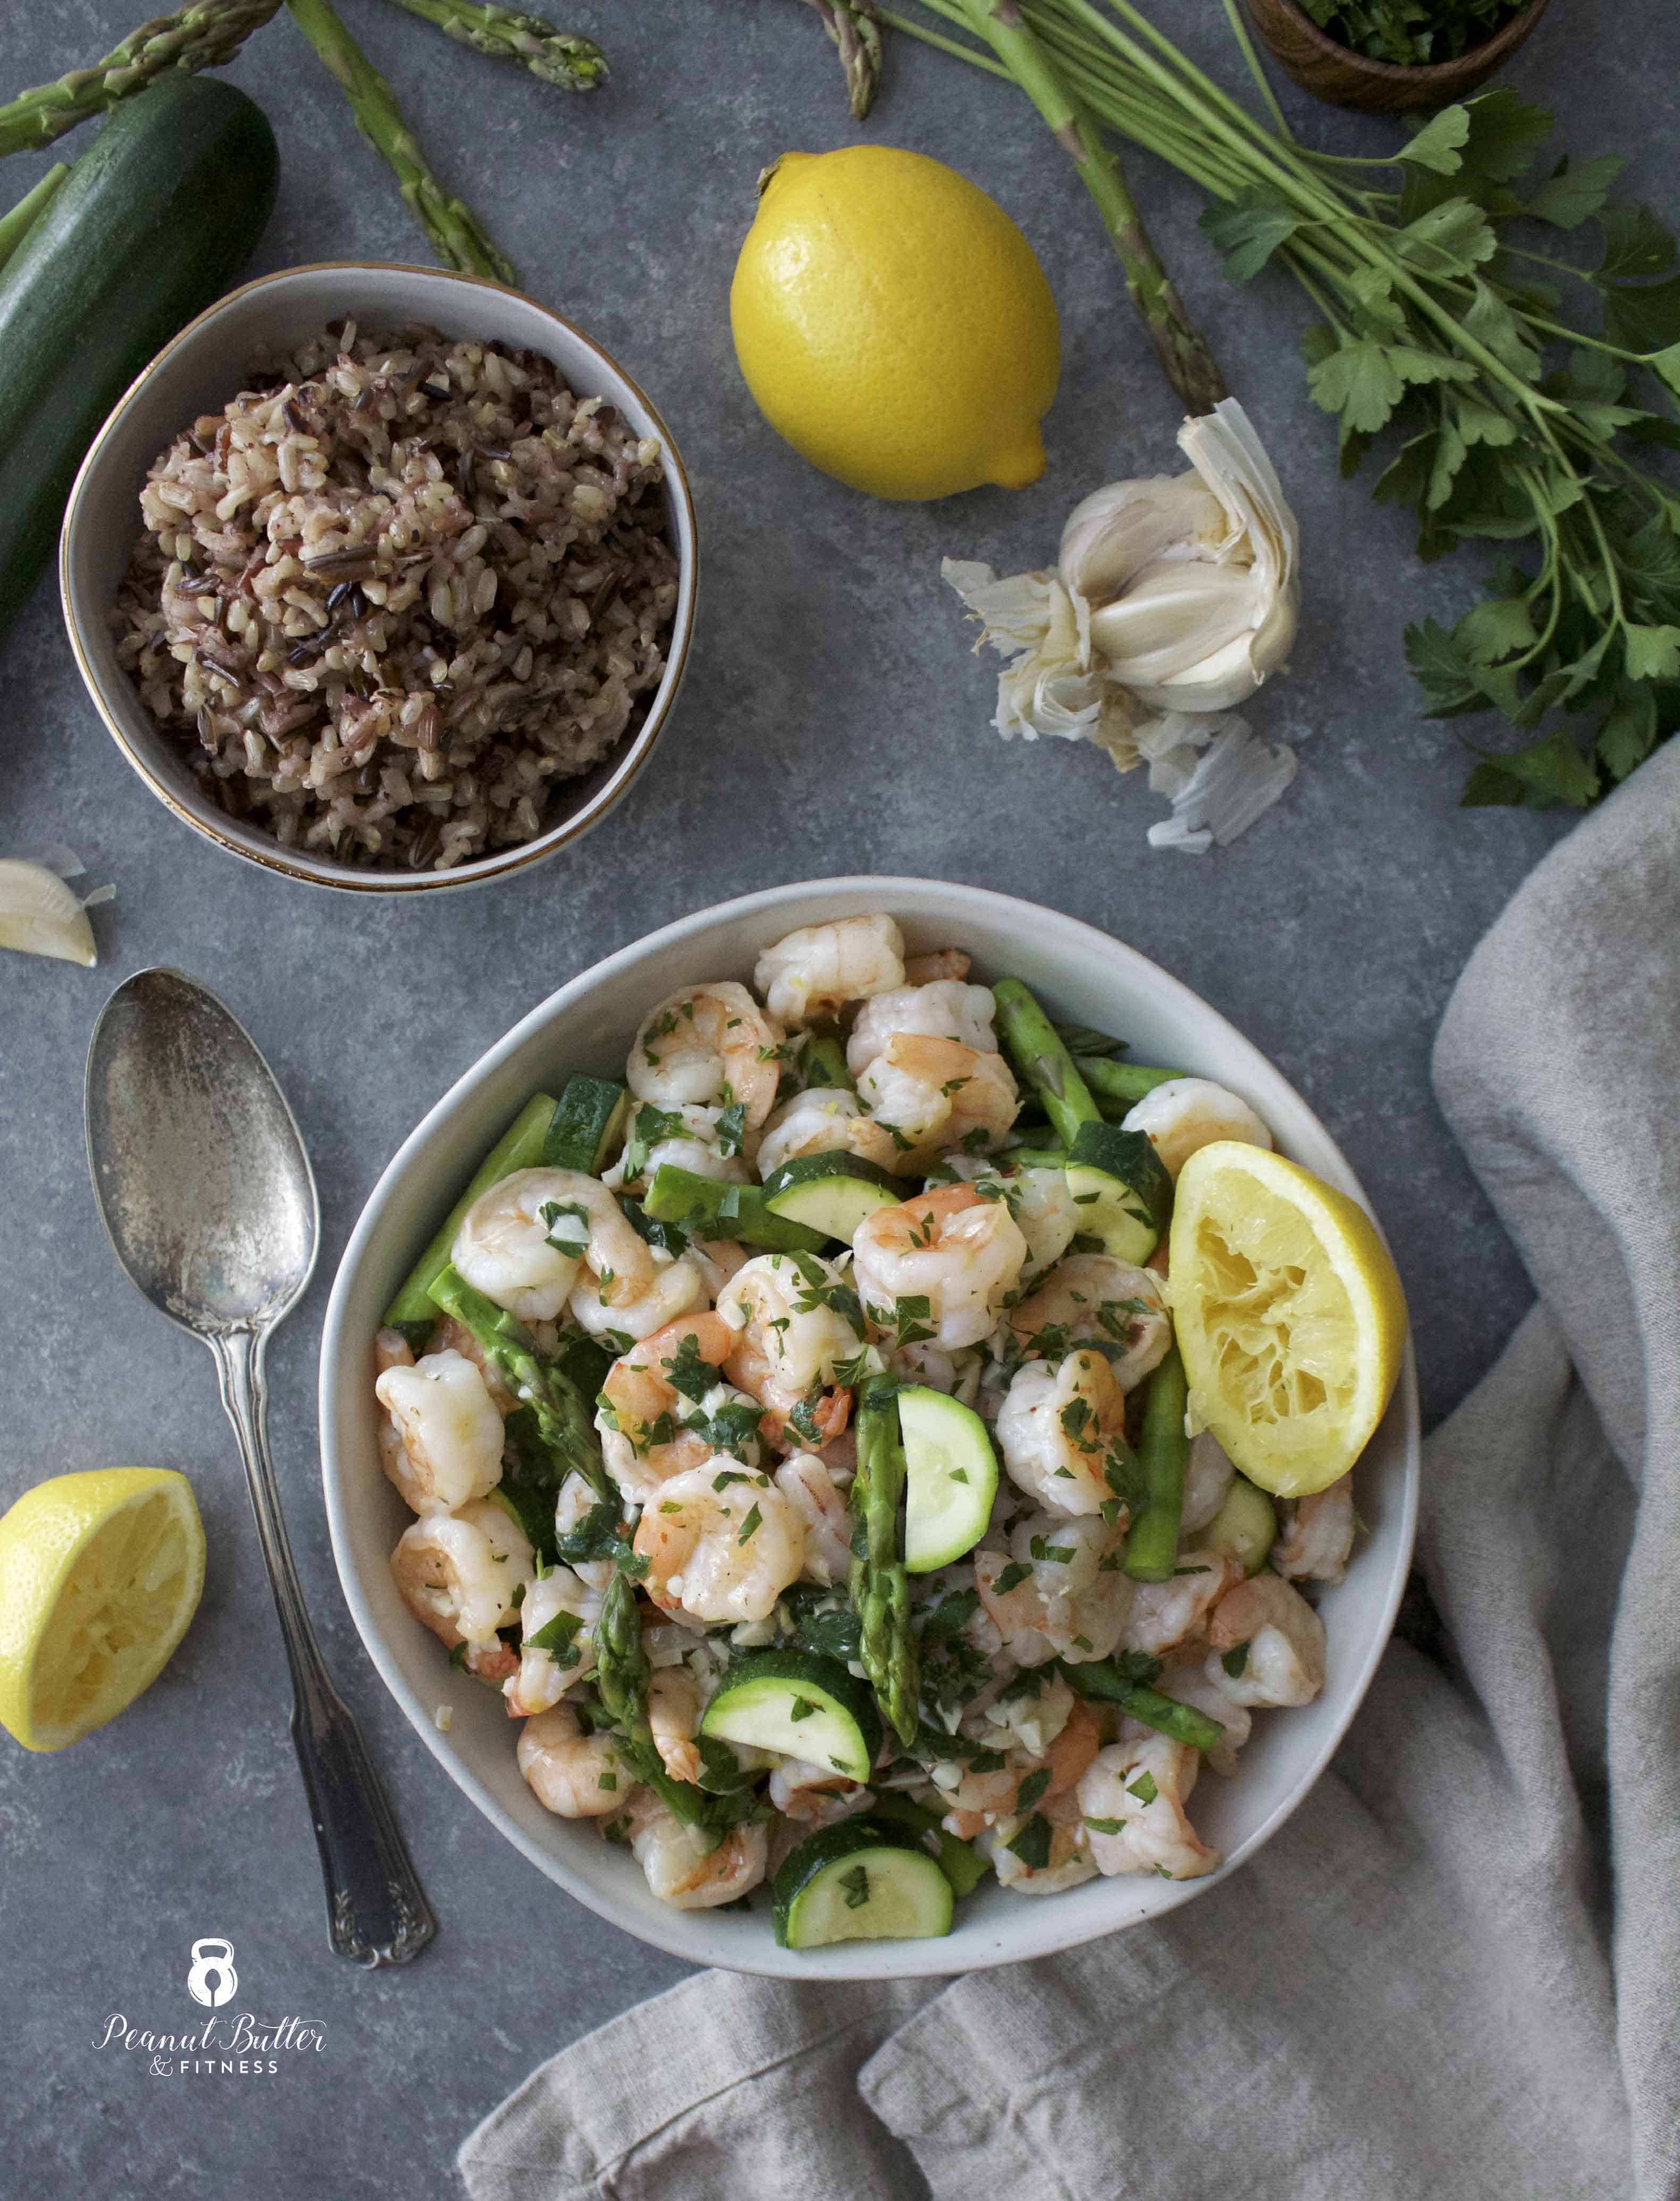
(1321, 65)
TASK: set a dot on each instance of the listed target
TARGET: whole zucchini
(156, 221)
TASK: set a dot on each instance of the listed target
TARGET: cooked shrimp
(707, 1046)
(1190, 1682)
(1208, 1477)
(825, 1120)
(814, 1795)
(956, 1373)
(544, 1676)
(681, 1867)
(441, 1447)
(792, 1318)
(942, 962)
(690, 1138)
(720, 1553)
(821, 1506)
(1058, 1591)
(391, 1349)
(575, 1502)
(1187, 1113)
(810, 977)
(659, 1401)
(674, 1708)
(939, 1097)
(458, 1573)
(1166, 1615)
(523, 1244)
(977, 1799)
(1090, 1299)
(573, 1774)
(951, 1247)
(714, 1260)
(1057, 1431)
(448, 1335)
(1133, 1799)
(1065, 1864)
(1283, 1639)
(1317, 1535)
(597, 1306)
(943, 1009)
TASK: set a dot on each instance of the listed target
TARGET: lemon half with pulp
(1289, 1314)
(99, 1576)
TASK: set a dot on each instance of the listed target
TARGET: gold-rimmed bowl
(198, 373)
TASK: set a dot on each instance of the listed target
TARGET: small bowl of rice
(383, 578)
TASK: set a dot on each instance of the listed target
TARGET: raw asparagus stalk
(1120, 1082)
(1152, 1548)
(1186, 360)
(1030, 1042)
(1105, 1681)
(562, 1414)
(508, 34)
(622, 1674)
(880, 1584)
(203, 35)
(855, 28)
(16, 226)
(457, 235)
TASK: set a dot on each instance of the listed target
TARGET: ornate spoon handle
(376, 1909)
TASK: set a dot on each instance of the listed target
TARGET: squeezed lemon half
(1289, 1314)
(99, 1576)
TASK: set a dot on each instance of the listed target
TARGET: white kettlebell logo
(213, 1980)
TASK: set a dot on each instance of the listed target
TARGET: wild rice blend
(396, 591)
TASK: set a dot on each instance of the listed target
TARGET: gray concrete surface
(832, 722)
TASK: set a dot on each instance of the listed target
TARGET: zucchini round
(157, 218)
(833, 1193)
(951, 1477)
(801, 1705)
(864, 1879)
(1245, 1527)
(1121, 1189)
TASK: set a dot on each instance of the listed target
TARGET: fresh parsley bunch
(1522, 383)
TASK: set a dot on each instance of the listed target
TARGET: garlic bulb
(1173, 598)
(1192, 581)
(39, 914)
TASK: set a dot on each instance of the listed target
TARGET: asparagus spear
(1182, 349)
(622, 1674)
(562, 1414)
(16, 225)
(880, 1584)
(855, 28)
(1030, 1042)
(453, 229)
(1152, 1548)
(823, 1062)
(1107, 1681)
(508, 34)
(202, 35)
(1120, 1082)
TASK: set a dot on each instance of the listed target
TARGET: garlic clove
(1175, 618)
(40, 915)
(1115, 533)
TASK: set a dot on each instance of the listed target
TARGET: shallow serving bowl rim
(396, 1221)
(148, 751)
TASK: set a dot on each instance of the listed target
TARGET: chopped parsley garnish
(732, 1128)
(802, 1709)
(1143, 1788)
(1107, 1826)
(857, 1885)
(686, 1372)
(572, 1242)
(556, 1637)
(1061, 1555)
(1236, 1660)
(1032, 1844)
(1032, 1788)
(751, 1526)
(1012, 1577)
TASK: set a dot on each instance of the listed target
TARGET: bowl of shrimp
(747, 1423)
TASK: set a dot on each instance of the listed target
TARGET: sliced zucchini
(1245, 1527)
(1121, 1189)
(864, 1879)
(588, 1128)
(801, 1704)
(951, 1477)
(960, 1861)
(832, 1193)
(521, 1146)
(712, 1209)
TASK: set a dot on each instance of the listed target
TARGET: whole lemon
(892, 324)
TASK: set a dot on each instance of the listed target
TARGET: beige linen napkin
(1456, 1972)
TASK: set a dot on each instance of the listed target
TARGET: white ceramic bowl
(588, 1025)
(198, 373)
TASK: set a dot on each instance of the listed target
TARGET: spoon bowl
(201, 1176)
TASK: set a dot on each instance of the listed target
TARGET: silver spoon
(207, 1197)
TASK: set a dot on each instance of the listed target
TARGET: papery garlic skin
(1192, 581)
(1050, 689)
